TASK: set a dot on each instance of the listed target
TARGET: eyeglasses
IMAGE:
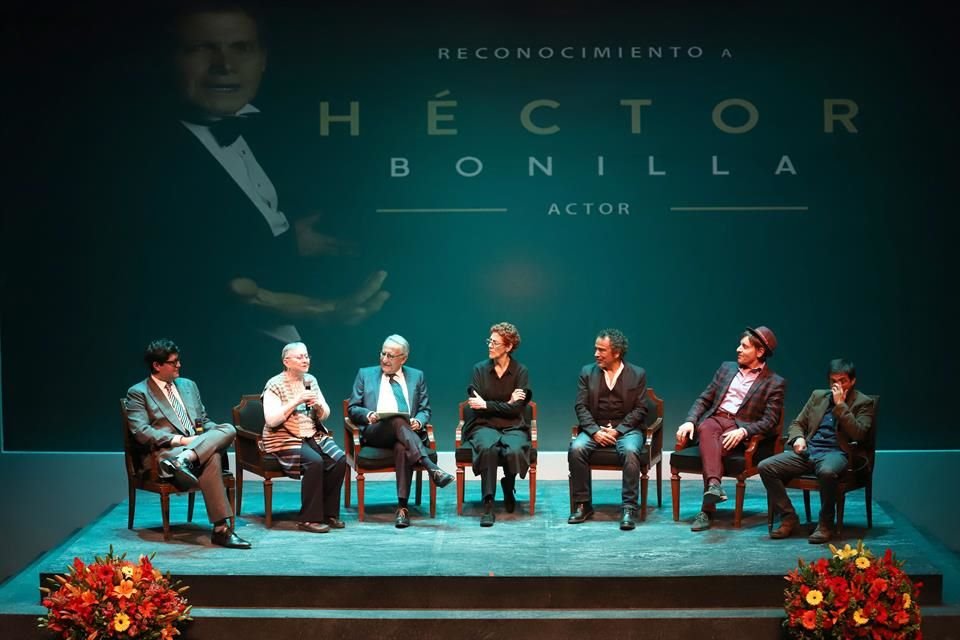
(173, 363)
(300, 356)
(493, 343)
(390, 356)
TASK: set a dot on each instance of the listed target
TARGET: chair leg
(191, 502)
(268, 502)
(738, 511)
(660, 485)
(841, 503)
(570, 490)
(361, 481)
(433, 500)
(769, 514)
(419, 486)
(461, 481)
(806, 503)
(644, 482)
(868, 498)
(346, 488)
(165, 514)
(131, 504)
(238, 507)
(675, 493)
(533, 488)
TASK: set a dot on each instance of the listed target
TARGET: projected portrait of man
(225, 175)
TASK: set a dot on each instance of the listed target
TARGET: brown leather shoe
(788, 524)
(313, 527)
(823, 533)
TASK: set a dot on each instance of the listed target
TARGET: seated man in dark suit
(745, 398)
(611, 410)
(165, 416)
(400, 391)
(830, 416)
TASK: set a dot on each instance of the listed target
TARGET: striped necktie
(179, 410)
(398, 394)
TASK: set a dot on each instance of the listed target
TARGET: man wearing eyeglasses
(167, 419)
(391, 405)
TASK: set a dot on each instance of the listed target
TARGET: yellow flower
(846, 552)
(121, 622)
(859, 618)
(814, 597)
(124, 589)
(906, 601)
(862, 562)
(127, 571)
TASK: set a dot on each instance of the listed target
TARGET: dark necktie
(179, 410)
(398, 394)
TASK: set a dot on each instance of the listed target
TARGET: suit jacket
(854, 418)
(588, 398)
(761, 408)
(366, 394)
(153, 422)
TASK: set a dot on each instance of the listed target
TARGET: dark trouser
(492, 448)
(709, 436)
(321, 481)
(629, 447)
(207, 447)
(774, 471)
(408, 449)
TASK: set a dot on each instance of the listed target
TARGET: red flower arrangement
(852, 595)
(114, 598)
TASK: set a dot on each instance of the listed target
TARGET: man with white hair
(399, 393)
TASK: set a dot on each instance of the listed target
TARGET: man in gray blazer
(611, 409)
(400, 394)
(179, 441)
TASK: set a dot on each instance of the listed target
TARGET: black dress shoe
(313, 527)
(402, 521)
(335, 523)
(227, 538)
(488, 517)
(181, 472)
(581, 513)
(509, 494)
(627, 523)
(441, 478)
(714, 494)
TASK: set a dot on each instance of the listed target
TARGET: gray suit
(394, 433)
(154, 424)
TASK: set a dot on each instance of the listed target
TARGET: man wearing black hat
(745, 398)
(831, 416)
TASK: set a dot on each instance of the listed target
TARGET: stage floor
(662, 561)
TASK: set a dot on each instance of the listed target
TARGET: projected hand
(605, 437)
(838, 394)
(733, 437)
(476, 402)
(685, 432)
(365, 301)
(799, 445)
(312, 243)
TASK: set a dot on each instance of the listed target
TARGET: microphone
(307, 384)
(529, 394)
(471, 391)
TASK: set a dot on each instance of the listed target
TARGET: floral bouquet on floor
(114, 598)
(852, 595)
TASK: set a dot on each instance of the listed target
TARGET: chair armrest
(533, 433)
(248, 446)
(574, 431)
(654, 437)
(431, 439)
(752, 445)
(458, 435)
(351, 436)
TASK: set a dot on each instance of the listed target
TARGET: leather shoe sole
(713, 495)
(182, 477)
(441, 478)
(313, 527)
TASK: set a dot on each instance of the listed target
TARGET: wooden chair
(740, 464)
(606, 458)
(463, 455)
(139, 478)
(248, 418)
(858, 475)
(365, 459)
